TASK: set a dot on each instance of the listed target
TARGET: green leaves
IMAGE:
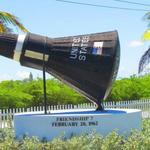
(133, 88)
(146, 35)
(137, 140)
(7, 19)
(26, 94)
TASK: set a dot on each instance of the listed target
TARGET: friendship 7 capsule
(88, 63)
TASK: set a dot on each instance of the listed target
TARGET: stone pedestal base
(76, 122)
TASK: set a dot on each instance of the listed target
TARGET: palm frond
(2, 28)
(146, 35)
(146, 17)
(8, 18)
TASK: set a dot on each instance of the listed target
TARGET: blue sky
(55, 19)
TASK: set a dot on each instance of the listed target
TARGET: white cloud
(125, 72)
(22, 74)
(5, 77)
(135, 43)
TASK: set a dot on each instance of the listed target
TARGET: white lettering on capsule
(79, 48)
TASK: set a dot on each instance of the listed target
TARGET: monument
(88, 63)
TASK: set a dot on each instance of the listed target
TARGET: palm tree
(147, 32)
(7, 19)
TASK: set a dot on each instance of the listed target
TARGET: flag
(97, 48)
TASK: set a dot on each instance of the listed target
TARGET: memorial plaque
(77, 122)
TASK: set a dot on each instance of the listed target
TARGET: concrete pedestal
(76, 122)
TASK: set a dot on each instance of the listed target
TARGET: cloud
(126, 72)
(5, 77)
(22, 74)
(135, 43)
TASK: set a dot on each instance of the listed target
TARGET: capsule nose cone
(7, 44)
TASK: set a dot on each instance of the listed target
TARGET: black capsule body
(89, 63)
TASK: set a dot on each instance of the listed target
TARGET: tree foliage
(26, 94)
(137, 140)
(7, 19)
(147, 32)
(133, 88)
(30, 93)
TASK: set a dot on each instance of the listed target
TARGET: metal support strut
(100, 106)
(44, 78)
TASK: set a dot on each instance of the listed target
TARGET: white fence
(6, 115)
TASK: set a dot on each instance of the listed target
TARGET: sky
(56, 19)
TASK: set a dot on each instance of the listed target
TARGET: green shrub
(133, 88)
(138, 140)
(26, 94)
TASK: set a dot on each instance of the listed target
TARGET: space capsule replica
(88, 63)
